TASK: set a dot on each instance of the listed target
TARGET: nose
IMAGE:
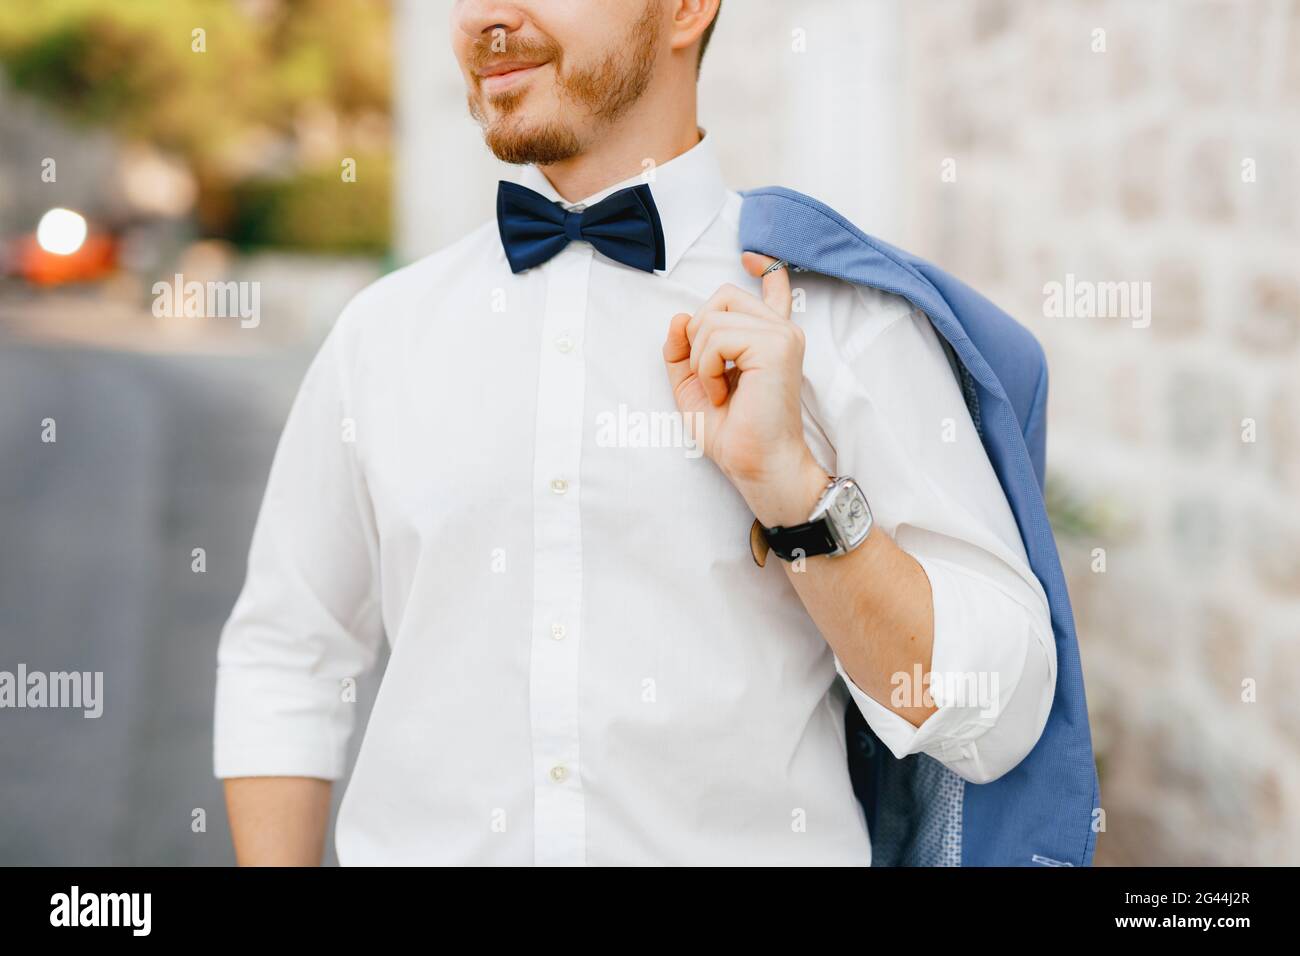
(479, 18)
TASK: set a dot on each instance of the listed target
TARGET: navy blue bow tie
(624, 226)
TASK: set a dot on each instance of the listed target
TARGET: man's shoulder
(415, 289)
(851, 313)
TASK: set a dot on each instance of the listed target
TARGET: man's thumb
(776, 283)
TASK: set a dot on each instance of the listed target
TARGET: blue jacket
(919, 812)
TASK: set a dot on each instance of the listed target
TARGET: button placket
(559, 821)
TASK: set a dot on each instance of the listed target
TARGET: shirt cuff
(981, 639)
(270, 723)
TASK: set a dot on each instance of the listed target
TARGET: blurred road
(156, 455)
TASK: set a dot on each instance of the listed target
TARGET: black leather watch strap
(810, 539)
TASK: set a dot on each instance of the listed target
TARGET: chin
(520, 140)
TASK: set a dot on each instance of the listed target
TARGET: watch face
(849, 514)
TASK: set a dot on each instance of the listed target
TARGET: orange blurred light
(94, 258)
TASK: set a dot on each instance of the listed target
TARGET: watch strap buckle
(758, 546)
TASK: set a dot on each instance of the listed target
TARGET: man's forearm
(873, 606)
(278, 821)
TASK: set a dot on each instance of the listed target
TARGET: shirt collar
(688, 191)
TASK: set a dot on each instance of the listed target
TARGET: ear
(690, 18)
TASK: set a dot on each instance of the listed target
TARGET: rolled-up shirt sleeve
(991, 678)
(900, 425)
(307, 621)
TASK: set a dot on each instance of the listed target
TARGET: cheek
(460, 50)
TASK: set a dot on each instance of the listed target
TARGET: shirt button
(564, 343)
(558, 632)
(559, 486)
(559, 773)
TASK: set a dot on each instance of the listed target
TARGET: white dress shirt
(586, 664)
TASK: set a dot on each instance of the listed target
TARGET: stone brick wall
(1149, 142)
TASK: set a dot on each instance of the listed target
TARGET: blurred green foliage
(311, 211)
(130, 66)
(1074, 517)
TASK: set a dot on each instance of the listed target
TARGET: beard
(604, 90)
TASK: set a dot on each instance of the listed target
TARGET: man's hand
(747, 417)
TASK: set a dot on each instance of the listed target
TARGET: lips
(502, 76)
(508, 66)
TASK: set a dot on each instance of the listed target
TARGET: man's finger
(730, 298)
(744, 320)
(776, 284)
(677, 350)
(712, 355)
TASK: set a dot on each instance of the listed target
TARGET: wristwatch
(840, 521)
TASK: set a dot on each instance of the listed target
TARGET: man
(588, 663)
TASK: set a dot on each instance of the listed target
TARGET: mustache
(489, 50)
